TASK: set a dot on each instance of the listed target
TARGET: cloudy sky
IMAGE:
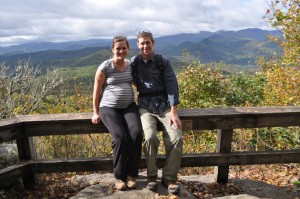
(23, 21)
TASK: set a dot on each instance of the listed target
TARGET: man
(158, 96)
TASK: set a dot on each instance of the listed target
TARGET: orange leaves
(277, 175)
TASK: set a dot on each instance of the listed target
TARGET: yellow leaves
(286, 19)
(282, 85)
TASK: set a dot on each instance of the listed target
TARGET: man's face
(145, 44)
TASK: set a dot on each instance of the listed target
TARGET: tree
(281, 72)
(200, 86)
(23, 88)
(284, 15)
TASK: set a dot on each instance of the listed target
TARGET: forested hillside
(237, 48)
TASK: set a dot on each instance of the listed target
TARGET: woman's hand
(96, 119)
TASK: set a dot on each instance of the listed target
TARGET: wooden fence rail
(225, 120)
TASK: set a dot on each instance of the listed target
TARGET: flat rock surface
(105, 189)
(102, 186)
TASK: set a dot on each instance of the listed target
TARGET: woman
(113, 104)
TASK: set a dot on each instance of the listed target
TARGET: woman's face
(145, 44)
(120, 50)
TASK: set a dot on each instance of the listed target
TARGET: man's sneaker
(152, 183)
(173, 188)
(120, 184)
(131, 182)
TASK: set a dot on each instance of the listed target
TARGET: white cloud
(56, 20)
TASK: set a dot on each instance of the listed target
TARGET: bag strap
(134, 65)
(158, 61)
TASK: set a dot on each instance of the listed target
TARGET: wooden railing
(225, 120)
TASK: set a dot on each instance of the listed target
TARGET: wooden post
(26, 152)
(223, 146)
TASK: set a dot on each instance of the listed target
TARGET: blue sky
(23, 21)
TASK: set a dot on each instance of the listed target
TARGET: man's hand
(174, 119)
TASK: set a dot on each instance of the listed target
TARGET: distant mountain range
(233, 47)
